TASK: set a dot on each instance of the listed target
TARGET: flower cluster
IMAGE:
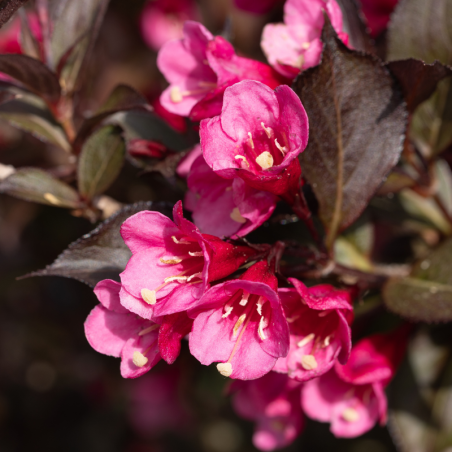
(289, 346)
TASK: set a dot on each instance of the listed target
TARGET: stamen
(148, 296)
(171, 260)
(350, 415)
(195, 275)
(265, 160)
(237, 216)
(259, 304)
(243, 159)
(309, 362)
(268, 130)
(225, 369)
(251, 140)
(176, 95)
(227, 311)
(238, 324)
(148, 330)
(196, 253)
(283, 149)
(292, 319)
(139, 359)
(326, 341)
(299, 61)
(305, 45)
(324, 313)
(262, 324)
(244, 299)
(181, 241)
(306, 340)
(175, 278)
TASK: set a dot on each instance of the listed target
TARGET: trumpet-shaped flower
(351, 397)
(318, 320)
(199, 67)
(225, 207)
(240, 324)
(377, 14)
(257, 137)
(273, 402)
(295, 44)
(172, 263)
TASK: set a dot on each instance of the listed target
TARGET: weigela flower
(351, 397)
(257, 137)
(377, 13)
(163, 20)
(172, 263)
(225, 207)
(295, 44)
(240, 323)
(112, 330)
(273, 402)
(200, 67)
(318, 320)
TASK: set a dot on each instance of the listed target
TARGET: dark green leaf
(101, 254)
(427, 294)
(8, 8)
(100, 161)
(33, 74)
(35, 185)
(357, 120)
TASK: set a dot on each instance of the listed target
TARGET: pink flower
(240, 323)
(225, 207)
(351, 397)
(173, 328)
(200, 67)
(257, 137)
(318, 319)
(295, 44)
(112, 330)
(184, 167)
(273, 402)
(377, 13)
(256, 7)
(163, 20)
(172, 263)
(10, 34)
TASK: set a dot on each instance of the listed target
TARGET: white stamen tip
(251, 140)
(299, 61)
(148, 296)
(225, 369)
(350, 415)
(196, 275)
(259, 305)
(326, 341)
(283, 149)
(306, 340)
(139, 359)
(175, 278)
(148, 330)
(176, 95)
(237, 216)
(170, 260)
(244, 299)
(227, 311)
(265, 160)
(262, 324)
(52, 199)
(324, 313)
(181, 241)
(238, 324)
(292, 319)
(305, 45)
(309, 362)
(268, 130)
(243, 160)
(196, 253)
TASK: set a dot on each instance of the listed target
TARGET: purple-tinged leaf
(35, 185)
(357, 120)
(100, 161)
(8, 8)
(417, 79)
(33, 74)
(101, 254)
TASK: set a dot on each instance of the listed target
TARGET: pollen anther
(309, 362)
(265, 160)
(237, 216)
(225, 369)
(139, 359)
(244, 299)
(350, 415)
(238, 324)
(283, 149)
(251, 140)
(176, 95)
(148, 296)
(243, 159)
(268, 130)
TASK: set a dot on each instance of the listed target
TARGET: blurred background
(56, 393)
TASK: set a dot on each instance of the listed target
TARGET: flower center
(177, 96)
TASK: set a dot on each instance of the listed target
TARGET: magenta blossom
(351, 397)
(112, 330)
(318, 320)
(273, 402)
(295, 44)
(172, 263)
(377, 14)
(184, 167)
(225, 207)
(240, 323)
(163, 20)
(257, 137)
(200, 67)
